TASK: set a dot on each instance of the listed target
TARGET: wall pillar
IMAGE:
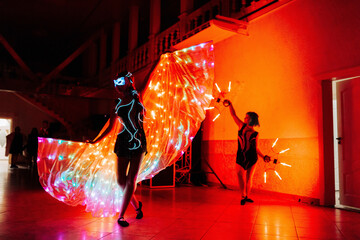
(116, 42)
(102, 57)
(155, 20)
(133, 27)
(186, 6)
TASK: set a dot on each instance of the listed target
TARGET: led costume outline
(117, 108)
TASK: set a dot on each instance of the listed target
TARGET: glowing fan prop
(217, 100)
(82, 173)
(275, 161)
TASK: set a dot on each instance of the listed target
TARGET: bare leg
(241, 178)
(130, 181)
(134, 202)
(249, 179)
(122, 176)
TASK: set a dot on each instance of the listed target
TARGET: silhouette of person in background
(32, 146)
(15, 142)
(45, 130)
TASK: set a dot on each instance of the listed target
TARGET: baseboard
(283, 196)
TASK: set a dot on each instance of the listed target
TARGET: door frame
(12, 118)
(326, 133)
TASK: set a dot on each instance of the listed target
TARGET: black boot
(139, 214)
(243, 201)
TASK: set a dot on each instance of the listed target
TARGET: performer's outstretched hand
(227, 102)
(267, 158)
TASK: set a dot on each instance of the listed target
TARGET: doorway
(346, 128)
(5, 129)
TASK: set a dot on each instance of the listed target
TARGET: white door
(5, 126)
(348, 115)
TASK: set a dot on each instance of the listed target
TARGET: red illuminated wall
(275, 72)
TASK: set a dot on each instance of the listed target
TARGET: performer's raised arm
(233, 113)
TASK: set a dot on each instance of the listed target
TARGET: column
(116, 42)
(102, 57)
(133, 27)
(186, 6)
(155, 20)
(155, 16)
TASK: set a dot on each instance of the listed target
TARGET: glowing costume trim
(132, 134)
(83, 173)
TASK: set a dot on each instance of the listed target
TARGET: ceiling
(45, 32)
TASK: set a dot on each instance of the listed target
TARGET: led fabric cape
(179, 89)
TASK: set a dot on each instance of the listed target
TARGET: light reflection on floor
(186, 212)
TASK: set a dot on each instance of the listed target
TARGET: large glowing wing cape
(179, 89)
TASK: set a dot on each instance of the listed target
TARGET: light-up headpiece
(121, 80)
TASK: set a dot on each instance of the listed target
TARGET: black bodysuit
(246, 154)
(131, 140)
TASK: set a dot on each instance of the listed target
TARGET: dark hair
(125, 74)
(254, 119)
(120, 74)
(131, 89)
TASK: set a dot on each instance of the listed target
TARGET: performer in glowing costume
(130, 143)
(84, 173)
(247, 154)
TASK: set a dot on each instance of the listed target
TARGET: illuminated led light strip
(284, 150)
(264, 177)
(277, 174)
(218, 87)
(275, 142)
(216, 117)
(118, 106)
(208, 108)
(287, 165)
(229, 88)
(209, 96)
